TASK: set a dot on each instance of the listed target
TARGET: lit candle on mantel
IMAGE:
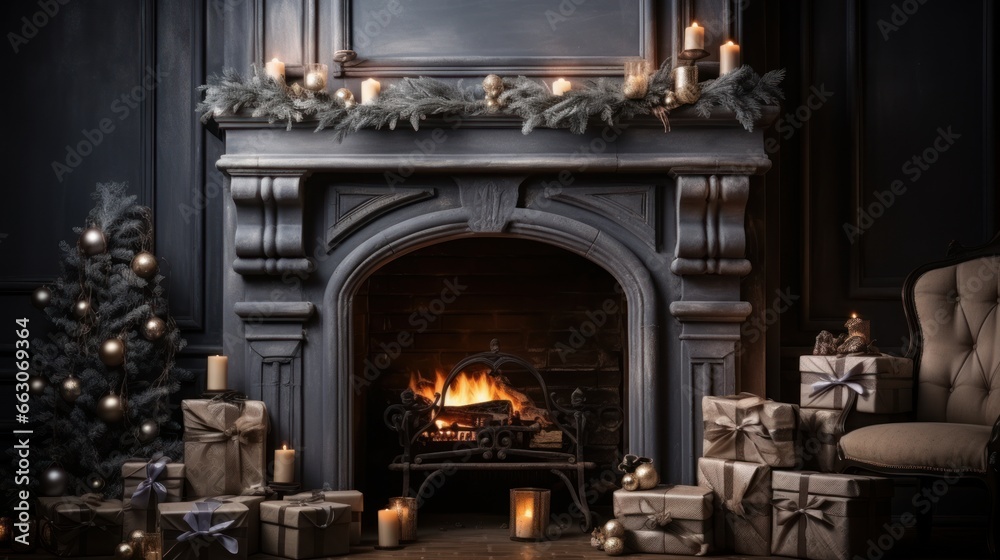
(729, 57)
(370, 89)
(284, 465)
(694, 37)
(561, 86)
(388, 528)
(218, 373)
(275, 69)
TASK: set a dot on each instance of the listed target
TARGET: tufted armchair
(953, 312)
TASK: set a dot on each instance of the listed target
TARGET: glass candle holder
(406, 509)
(856, 326)
(152, 546)
(636, 82)
(529, 513)
(315, 76)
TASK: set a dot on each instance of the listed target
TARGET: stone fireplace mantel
(310, 219)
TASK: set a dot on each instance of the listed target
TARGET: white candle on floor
(388, 528)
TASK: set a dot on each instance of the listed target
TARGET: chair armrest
(993, 448)
(851, 419)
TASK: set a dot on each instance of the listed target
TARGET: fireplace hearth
(312, 223)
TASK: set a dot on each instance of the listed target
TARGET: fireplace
(314, 227)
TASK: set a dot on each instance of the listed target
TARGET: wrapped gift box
(352, 498)
(884, 384)
(295, 529)
(742, 504)
(821, 430)
(80, 526)
(224, 446)
(827, 516)
(748, 428)
(219, 530)
(147, 484)
(253, 517)
(666, 519)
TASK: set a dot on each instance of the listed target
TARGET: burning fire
(466, 389)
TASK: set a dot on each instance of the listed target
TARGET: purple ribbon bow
(140, 498)
(820, 387)
(200, 521)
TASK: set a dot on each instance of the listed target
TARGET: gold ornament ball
(630, 482)
(92, 241)
(315, 81)
(111, 408)
(54, 481)
(71, 389)
(148, 431)
(614, 529)
(154, 328)
(81, 308)
(614, 546)
(112, 352)
(346, 97)
(41, 297)
(95, 482)
(37, 385)
(124, 551)
(136, 537)
(647, 476)
(144, 265)
(493, 85)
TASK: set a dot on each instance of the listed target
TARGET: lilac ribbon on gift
(140, 498)
(833, 381)
(200, 521)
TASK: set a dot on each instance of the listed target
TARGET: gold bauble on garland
(71, 388)
(92, 241)
(647, 476)
(493, 87)
(144, 265)
(346, 97)
(154, 328)
(111, 408)
(112, 352)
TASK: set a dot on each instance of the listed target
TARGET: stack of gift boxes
(214, 505)
(753, 496)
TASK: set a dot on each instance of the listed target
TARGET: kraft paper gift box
(295, 529)
(80, 526)
(224, 446)
(742, 504)
(253, 517)
(748, 428)
(147, 484)
(666, 519)
(207, 529)
(821, 516)
(820, 433)
(883, 384)
(352, 498)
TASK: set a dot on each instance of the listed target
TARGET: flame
(466, 389)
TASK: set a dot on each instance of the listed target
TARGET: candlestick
(218, 373)
(388, 528)
(370, 90)
(316, 75)
(284, 465)
(694, 37)
(729, 57)
(561, 86)
(275, 69)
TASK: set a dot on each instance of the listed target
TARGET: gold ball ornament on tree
(124, 551)
(41, 297)
(136, 537)
(647, 476)
(71, 388)
(54, 481)
(92, 241)
(154, 328)
(345, 97)
(148, 431)
(111, 408)
(37, 385)
(112, 352)
(144, 265)
(95, 482)
(81, 308)
(614, 546)
(630, 482)
(614, 529)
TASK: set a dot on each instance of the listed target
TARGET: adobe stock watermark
(31, 25)
(899, 15)
(122, 107)
(913, 168)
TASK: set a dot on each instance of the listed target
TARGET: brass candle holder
(636, 82)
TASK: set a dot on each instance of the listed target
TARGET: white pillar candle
(561, 86)
(694, 37)
(388, 528)
(275, 69)
(284, 465)
(729, 57)
(218, 373)
(370, 89)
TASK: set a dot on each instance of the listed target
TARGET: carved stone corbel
(269, 236)
(711, 238)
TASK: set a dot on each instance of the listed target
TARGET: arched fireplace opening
(418, 315)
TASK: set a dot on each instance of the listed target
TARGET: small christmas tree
(104, 374)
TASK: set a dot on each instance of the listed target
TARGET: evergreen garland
(741, 91)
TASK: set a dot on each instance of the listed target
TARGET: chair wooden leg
(993, 525)
(925, 520)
